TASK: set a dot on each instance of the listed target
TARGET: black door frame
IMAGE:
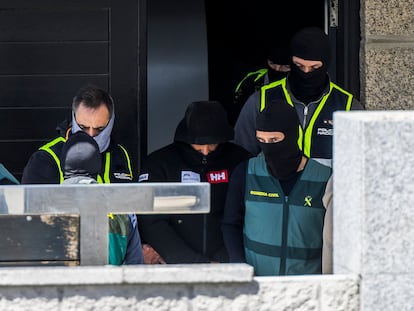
(142, 118)
(348, 42)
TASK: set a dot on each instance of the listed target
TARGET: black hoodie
(192, 238)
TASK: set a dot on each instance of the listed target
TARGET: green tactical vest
(283, 236)
(118, 225)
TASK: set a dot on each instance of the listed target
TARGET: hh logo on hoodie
(216, 177)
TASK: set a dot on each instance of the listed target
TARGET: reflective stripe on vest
(259, 73)
(119, 225)
(107, 167)
(306, 138)
(309, 132)
(128, 160)
(284, 237)
(48, 148)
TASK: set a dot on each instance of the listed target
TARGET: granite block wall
(387, 54)
(373, 197)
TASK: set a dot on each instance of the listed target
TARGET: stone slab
(374, 191)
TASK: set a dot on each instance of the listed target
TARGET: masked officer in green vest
(276, 202)
(309, 89)
(92, 112)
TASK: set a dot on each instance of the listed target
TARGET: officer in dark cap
(309, 89)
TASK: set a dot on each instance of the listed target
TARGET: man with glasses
(76, 154)
(92, 112)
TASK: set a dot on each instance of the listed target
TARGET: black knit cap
(278, 116)
(80, 156)
(311, 43)
(204, 122)
(279, 55)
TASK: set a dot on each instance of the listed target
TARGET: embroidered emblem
(308, 201)
(143, 177)
(190, 177)
(215, 177)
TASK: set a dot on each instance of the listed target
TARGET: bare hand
(151, 257)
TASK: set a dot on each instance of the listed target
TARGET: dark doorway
(239, 33)
(51, 48)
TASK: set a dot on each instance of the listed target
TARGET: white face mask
(103, 139)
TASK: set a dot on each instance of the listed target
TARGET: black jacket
(43, 169)
(190, 238)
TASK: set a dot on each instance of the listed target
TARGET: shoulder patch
(189, 177)
(124, 176)
(216, 177)
(143, 177)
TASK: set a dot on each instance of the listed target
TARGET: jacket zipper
(282, 267)
(305, 115)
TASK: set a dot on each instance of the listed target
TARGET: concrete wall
(186, 287)
(387, 54)
(372, 256)
(373, 198)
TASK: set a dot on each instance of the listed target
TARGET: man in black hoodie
(201, 152)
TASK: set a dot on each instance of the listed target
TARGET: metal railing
(95, 201)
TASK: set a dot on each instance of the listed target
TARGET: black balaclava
(276, 75)
(281, 56)
(284, 157)
(204, 122)
(80, 156)
(310, 44)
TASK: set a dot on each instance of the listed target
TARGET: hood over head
(204, 122)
